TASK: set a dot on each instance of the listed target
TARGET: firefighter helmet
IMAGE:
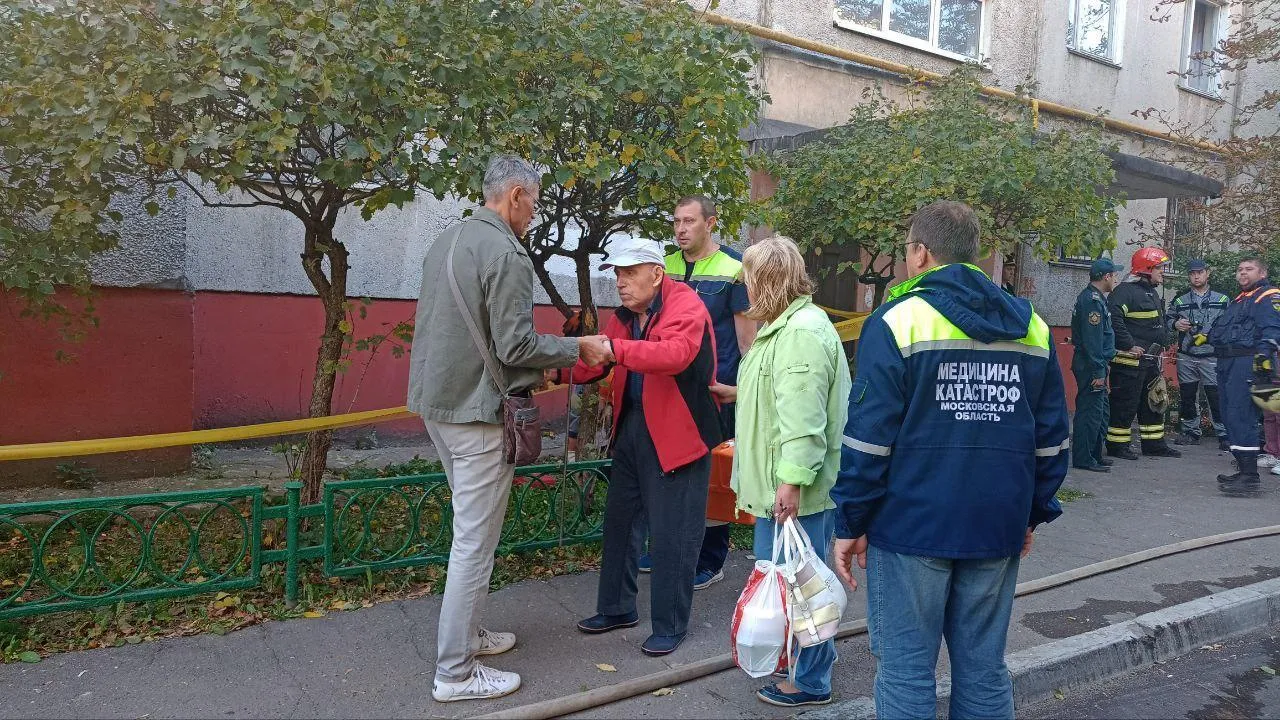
(1148, 259)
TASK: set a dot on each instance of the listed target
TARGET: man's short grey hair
(948, 229)
(507, 171)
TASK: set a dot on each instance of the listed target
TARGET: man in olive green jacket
(461, 404)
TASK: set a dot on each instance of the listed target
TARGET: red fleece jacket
(677, 357)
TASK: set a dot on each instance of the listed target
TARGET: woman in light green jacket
(793, 397)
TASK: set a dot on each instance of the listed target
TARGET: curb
(1115, 650)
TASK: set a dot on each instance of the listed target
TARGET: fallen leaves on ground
(606, 667)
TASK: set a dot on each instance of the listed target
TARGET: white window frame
(1219, 34)
(930, 45)
(1115, 33)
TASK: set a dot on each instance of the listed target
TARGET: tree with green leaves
(314, 109)
(628, 106)
(1241, 69)
(318, 109)
(858, 185)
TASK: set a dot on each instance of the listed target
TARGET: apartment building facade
(1119, 57)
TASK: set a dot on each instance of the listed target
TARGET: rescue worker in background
(1245, 339)
(714, 271)
(1191, 315)
(1095, 345)
(1137, 316)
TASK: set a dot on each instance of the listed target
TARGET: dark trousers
(675, 505)
(715, 538)
(1089, 427)
(1239, 414)
(1129, 397)
(1190, 408)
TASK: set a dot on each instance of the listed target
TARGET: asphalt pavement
(378, 662)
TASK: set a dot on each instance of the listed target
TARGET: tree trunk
(586, 299)
(333, 294)
(880, 287)
(544, 279)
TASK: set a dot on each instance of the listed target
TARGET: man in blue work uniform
(1191, 315)
(955, 446)
(715, 272)
(1095, 345)
(1245, 339)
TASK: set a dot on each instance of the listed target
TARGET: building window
(1186, 223)
(951, 26)
(1201, 36)
(1094, 27)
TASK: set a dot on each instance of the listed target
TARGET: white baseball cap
(632, 251)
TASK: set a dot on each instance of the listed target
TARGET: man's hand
(726, 393)
(550, 377)
(1027, 542)
(1136, 351)
(846, 551)
(595, 350)
(1182, 324)
(786, 502)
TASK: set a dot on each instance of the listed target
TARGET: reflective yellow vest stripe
(717, 267)
(917, 327)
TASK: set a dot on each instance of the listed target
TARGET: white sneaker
(495, 643)
(485, 683)
(1266, 461)
(1275, 470)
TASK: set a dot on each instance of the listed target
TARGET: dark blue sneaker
(772, 695)
(597, 624)
(662, 644)
(707, 578)
(645, 563)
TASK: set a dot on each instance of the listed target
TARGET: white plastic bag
(761, 632)
(815, 596)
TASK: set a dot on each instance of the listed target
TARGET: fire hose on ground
(589, 699)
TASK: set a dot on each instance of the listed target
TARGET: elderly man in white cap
(665, 423)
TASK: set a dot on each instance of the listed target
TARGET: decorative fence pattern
(76, 554)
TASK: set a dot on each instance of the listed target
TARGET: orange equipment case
(721, 500)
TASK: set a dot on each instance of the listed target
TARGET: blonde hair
(775, 274)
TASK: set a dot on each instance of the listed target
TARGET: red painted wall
(1062, 338)
(167, 361)
(255, 360)
(130, 376)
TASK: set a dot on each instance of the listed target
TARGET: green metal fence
(76, 554)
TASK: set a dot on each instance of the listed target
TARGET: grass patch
(115, 538)
(221, 613)
(1066, 495)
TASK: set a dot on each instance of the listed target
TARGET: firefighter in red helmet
(1137, 387)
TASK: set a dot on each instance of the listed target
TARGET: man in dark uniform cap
(1095, 346)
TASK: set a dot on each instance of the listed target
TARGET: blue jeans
(813, 664)
(912, 603)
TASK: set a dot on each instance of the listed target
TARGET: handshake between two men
(595, 350)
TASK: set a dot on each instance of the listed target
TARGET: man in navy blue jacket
(955, 446)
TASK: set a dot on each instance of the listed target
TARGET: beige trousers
(480, 483)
